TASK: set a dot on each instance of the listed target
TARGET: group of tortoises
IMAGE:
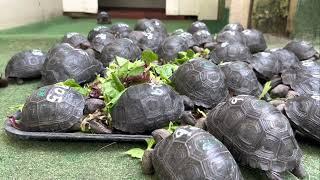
(225, 85)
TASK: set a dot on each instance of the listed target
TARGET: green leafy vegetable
(150, 143)
(148, 56)
(172, 127)
(75, 86)
(165, 72)
(185, 56)
(135, 153)
(265, 90)
(17, 107)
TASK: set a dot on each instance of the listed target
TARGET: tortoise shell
(76, 40)
(135, 36)
(201, 37)
(230, 37)
(304, 113)
(241, 79)
(120, 47)
(52, 109)
(302, 49)
(151, 40)
(254, 40)
(97, 30)
(202, 81)
(228, 52)
(145, 107)
(287, 59)
(151, 26)
(120, 30)
(25, 64)
(302, 83)
(188, 38)
(191, 153)
(101, 40)
(196, 26)
(265, 64)
(233, 27)
(65, 62)
(103, 18)
(256, 133)
(170, 48)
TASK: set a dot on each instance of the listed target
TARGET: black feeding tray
(78, 136)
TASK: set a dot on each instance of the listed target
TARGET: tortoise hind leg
(299, 171)
(147, 167)
(19, 81)
(272, 175)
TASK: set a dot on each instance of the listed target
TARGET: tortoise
(76, 40)
(202, 37)
(188, 38)
(304, 114)
(287, 59)
(25, 65)
(135, 36)
(120, 47)
(302, 49)
(254, 40)
(233, 27)
(103, 18)
(170, 48)
(189, 153)
(202, 81)
(265, 64)
(98, 30)
(145, 107)
(196, 26)
(230, 37)
(52, 108)
(241, 79)
(150, 40)
(120, 30)
(257, 135)
(228, 52)
(101, 40)
(65, 62)
(151, 26)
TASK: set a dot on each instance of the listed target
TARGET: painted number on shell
(181, 132)
(56, 95)
(235, 100)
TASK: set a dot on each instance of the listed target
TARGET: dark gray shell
(255, 40)
(228, 52)
(98, 30)
(202, 81)
(256, 133)
(196, 26)
(103, 18)
(120, 47)
(151, 40)
(65, 62)
(145, 107)
(151, 26)
(52, 109)
(241, 79)
(230, 37)
(201, 37)
(305, 79)
(101, 40)
(76, 40)
(121, 30)
(25, 64)
(188, 38)
(302, 49)
(287, 59)
(266, 65)
(191, 153)
(233, 27)
(170, 48)
(304, 113)
(135, 36)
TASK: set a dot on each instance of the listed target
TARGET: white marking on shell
(235, 100)
(123, 25)
(69, 35)
(157, 23)
(102, 36)
(180, 132)
(99, 27)
(199, 24)
(37, 52)
(246, 32)
(316, 97)
(307, 63)
(148, 35)
(224, 44)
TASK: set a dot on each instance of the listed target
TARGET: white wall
(21, 12)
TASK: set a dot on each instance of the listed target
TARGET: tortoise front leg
(272, 175)
(299, 171)
(147, 167)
